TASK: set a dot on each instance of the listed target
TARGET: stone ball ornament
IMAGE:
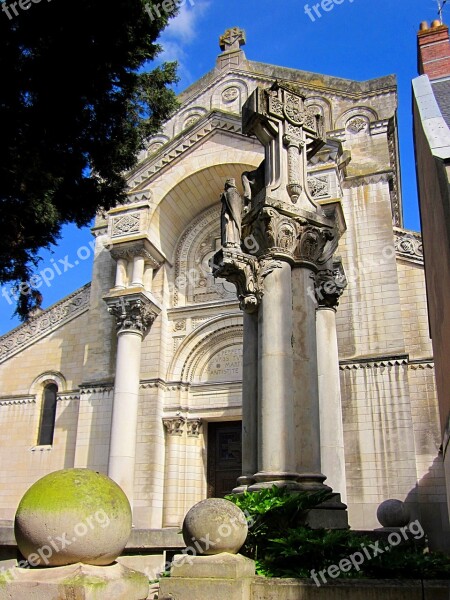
(214, 526)
(393, 513)
(71, 516)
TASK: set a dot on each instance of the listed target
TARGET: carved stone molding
(46, 322)
(14, 400)
(133, 312)
(246, 272)
(194, 427)
(375, 363)
(408, 245)
(141, 196)
(174, 425)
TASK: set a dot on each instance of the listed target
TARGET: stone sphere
(213, 526)
(393, 513)
(70, 516)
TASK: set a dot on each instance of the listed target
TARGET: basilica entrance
(224, 457)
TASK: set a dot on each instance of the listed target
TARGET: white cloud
(180, 32)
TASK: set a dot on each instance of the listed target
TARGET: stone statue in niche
(231, 217)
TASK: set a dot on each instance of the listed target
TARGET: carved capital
(133, 312)
(246, 272)
(174, 425)
(193, 427)
(128, 252)
(315, 245)
(330, 285)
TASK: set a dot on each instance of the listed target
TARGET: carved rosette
(174, 425)
(246, 272)
(134, 314)
(330, 285)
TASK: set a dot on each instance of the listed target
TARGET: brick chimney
(434, 50)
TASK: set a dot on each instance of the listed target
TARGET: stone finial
(393, 513)
(215, 525)
(232, 39)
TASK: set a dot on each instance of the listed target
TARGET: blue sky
(359, 39)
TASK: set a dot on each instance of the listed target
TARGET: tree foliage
(77, 102)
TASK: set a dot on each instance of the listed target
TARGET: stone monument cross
(232, 39)
(276, 286)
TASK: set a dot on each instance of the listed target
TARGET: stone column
(249, 402)
(328, 291)
(134, 315)
(174, 477)
(137, 278)
(121, 273)
(305, 381)
(276, 458)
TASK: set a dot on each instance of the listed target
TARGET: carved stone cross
(291, 133)
(232, 39)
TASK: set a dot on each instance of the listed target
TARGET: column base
(307, 482)
(221, 576)
(243, 484)
(84, 582)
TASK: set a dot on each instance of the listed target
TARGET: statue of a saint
(231, 217)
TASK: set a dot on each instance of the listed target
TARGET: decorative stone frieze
(319, 186)
(133, 312)
(126, 224)
(174, 425)
(14, 400)
(36, 328)
(408, 245)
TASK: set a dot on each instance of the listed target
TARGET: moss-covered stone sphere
(70, 516)
(214, 526)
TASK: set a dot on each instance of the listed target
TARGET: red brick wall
(434, 51)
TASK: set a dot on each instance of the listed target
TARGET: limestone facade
(181, 369)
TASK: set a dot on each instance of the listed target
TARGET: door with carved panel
(224, 457)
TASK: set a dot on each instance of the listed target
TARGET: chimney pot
(424, 25)
(436, 23)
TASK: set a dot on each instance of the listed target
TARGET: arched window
(48, 415)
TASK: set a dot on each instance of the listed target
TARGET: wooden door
(224, 457)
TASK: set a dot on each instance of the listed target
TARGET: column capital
(193, 427)
(174, 425)
(134, 313)
(246, 272)
(330, 284)
(140, 247)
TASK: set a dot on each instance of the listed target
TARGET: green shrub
(284, 546)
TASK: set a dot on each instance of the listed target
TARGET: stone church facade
(141, 370)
